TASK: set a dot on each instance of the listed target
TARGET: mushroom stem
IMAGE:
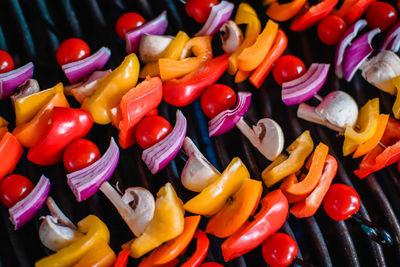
(56, 212)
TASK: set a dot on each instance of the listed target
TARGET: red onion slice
(157, 26)
(162, 153)
(76, 71)
(25, 209)
(227, 119)
(346, 40)
(87, 181)
(355, 55)
(219, 15)
(294, 93)
(10, 81)
(392, 39)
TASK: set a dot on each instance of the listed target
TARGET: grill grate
(32, 29)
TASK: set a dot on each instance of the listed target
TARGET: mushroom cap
(231, 36)
(151, 46)
(271, 138)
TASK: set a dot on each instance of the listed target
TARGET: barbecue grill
(31, 31)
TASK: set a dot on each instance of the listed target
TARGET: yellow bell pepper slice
(3, 122)
(95, 231)
(27, 107)
(213, 198)
(173, 51)
(111, 88)
(167, 223)
(202, 50)
(252, 56)
(245, 15)
(368, 123)
(396, 104)
(100, 255)
(283, 166)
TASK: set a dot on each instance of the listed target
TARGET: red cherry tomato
(13, 188)
(331, 29)
(72, 50)
(152, 129)
(341, 202)
(79, 154)
(6, 62)
(279, 250)
(381, 15)
(217, 98)
(288, 68)
(211, 264)
(127, 22)
(199, 9)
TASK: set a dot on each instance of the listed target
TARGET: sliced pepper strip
(212, 199)
(29, 133)
(396, 104)
(3, 122)
(344, 8)
(95, 231)
(262, 71)
(99, 255)
(252, 56)
(241, 76)
(200, 254)
(245, 15)
(300, 190)
(283, 166)
(171, 250)
(237, 210)
(27, 107)
(283, 12)
(309, 206)
(368, 123)
(374, 141)
(122, 259)
(356, 10)
(10, 153)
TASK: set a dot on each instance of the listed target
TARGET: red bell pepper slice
(309, 206)
(10, 153)
(200, 254)
(311, 15)
(268, 220)
(183, 91)
(134, 105)
(122, 259)
(66, 125)
(355, 11)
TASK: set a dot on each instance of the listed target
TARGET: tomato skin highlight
(217, 98)
(279, 250)
(381, 15)
(151, 130)
(13, 188)
(128, 22)
(6, 62)
(79, 154)
(72, 50)
(288, 68)
(331, 29)
(341, 202)
(200, 9)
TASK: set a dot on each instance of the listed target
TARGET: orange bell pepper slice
(10, 153)
(29, 133)
(283, 12)
(342, 11)
(375, 139)
(99, 255)
(252, 56)
(296, 191)
(171, 250)
(3, 122)
(3, 131)
(172, 68)
(236, 210)
(309, 206)
(241, 76)
(260, 74)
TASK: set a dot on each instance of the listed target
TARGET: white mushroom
(55, 235)
(198, 172)
(89, 86)
(380, 69)
(231, 36)
(267, 136)
(29, 87)
(152, 46)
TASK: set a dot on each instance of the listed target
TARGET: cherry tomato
(331, 29)
(72, 50)
(288, 68)
(279, 250)
(127, 22)
(79, 154)
(13, 188)
(381, 15)
(211, 264)
(217, 98)
(6, 62)
(199, 9)
(341, 202)
(151, 130)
